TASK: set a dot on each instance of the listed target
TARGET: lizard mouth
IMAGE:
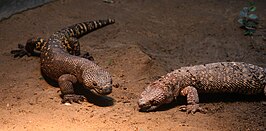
(103, 90)
(147, 108)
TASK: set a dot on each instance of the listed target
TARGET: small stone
(67, 104)
(122, 75)
(108, 1)
(126, 101)
(116, 85)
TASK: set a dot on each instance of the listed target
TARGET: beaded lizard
(61, 62)
(221, 77)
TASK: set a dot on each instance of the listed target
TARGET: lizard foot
(88, 56)
(70, 98)
(20, 52)
(192, 108)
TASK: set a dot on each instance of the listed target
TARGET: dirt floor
(149, 39)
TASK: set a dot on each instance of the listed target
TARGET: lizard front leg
(66, 82)
(192, 100)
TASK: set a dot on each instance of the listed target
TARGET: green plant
(248, 20)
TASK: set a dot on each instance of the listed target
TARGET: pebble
(67, 104)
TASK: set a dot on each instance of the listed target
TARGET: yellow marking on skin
(38, 45)
(43, 48)
(65, 41)
(81, 28)
(44, 45)
(41, 40)
(67, 34)
(68, 46)
(65, 37)
(74, 32)
(95, 24)
(84, 26)
(78, 32)
(71, 32)
(65, 46)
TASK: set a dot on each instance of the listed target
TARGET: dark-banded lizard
(221, 77)
(61, 62)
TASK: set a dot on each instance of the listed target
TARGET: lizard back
(230, 77)
(57, 51)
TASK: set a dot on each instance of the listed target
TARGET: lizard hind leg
(192, 100)
(35, 43)
(66, 82)
(73, 48)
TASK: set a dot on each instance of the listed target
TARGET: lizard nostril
(94, 84)
(141, 103)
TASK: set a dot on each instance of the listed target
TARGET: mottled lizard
(221, 77)
(61, 61)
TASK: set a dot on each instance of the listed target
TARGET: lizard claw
(192, 108)
(70, 98)
(20, 52)
(88, 56)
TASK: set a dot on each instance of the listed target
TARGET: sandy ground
(148, 40)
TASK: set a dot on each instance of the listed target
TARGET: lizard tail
(83, 28)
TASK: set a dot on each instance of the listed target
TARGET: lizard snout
(105, 90)
(143, 105)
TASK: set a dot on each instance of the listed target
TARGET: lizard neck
(177, 80)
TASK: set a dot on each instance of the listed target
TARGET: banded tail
(69, 35)
(83, 28)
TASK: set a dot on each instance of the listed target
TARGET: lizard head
(98, 80)
(154, 96)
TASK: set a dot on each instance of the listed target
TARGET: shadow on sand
(91, 97)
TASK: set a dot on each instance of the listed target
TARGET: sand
(149, 39)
